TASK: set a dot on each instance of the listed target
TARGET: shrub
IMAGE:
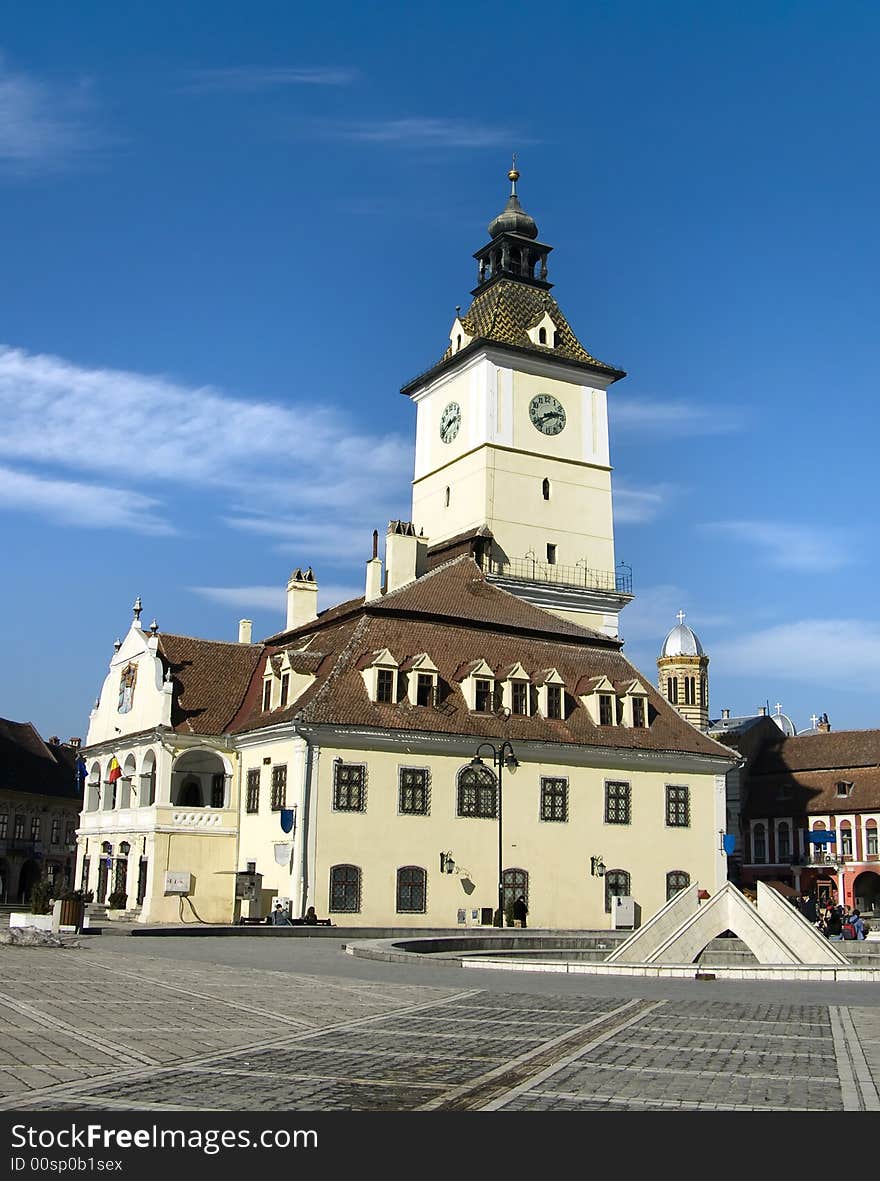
(117, 900)
(83, 896)
(40, 897)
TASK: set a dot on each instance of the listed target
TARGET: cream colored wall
(557, 855)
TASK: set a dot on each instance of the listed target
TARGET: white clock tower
(512, 460)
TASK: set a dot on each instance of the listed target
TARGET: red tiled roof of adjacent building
(28, 764)
(211, 678)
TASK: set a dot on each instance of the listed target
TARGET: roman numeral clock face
(547, 414)
(450, 421)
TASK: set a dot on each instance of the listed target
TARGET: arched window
(846, 841)
(672, 690)
(148, 780)
(345, 889)
(477, 790)
(514, 882)
(871, 838)
(542, 336)
(545, 488)
(616, 882)
(783, 842)
(759, 844)
(447, 498)
(676, 880)
(412, 883)
(457, 341)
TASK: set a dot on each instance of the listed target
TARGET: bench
(303, 923)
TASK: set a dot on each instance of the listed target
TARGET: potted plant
(40, 913)
(117, 901)
(73, 905)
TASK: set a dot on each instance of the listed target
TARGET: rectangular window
(70, 834)
(483, 697)
(413, 791)
(19, 828)
(349, 787)
(846, 842)
(638, 711)
(279, 788)
(844, 788)
(385, 685)
(554, 701)
(252, 799)
(606, 710)
(218, 790)
(554, 799)
(4, 825)
(871, 834)
(519, 697)
(56, 832)
(617, 803)
(551, 554)
(35, 828)
(678, 807)
(425, 689)
(267, 694)
(672, 690)
(285, 689)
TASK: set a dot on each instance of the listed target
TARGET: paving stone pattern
(104, 1029)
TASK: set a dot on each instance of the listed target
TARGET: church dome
(513, 219)
(681, 641)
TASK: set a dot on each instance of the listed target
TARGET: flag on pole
(288, 819)
(115, 770)
(81, 770)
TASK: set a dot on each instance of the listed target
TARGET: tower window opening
(672, 690)
(556, 340)
(542, 336)
(458, 342)
(551, 554)
(446, 498)
(545, 489)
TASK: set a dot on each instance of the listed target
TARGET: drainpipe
(309, 826)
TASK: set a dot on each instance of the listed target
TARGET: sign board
(178, 881)
(248, 886)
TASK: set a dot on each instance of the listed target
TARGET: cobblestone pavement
(121, 1027)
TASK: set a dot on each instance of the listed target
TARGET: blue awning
(821, 838)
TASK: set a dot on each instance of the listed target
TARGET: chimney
(762, 711)
(74, 743)
(725, 715)
(824, 726)
(302, 599)
(401, 554)
(54, 740)
(245, 630)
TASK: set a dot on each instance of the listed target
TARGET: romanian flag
(115, 770)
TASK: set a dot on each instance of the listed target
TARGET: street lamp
(502, 756)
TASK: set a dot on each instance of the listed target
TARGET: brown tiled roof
(505, 311)
(817, 752)
(210, 677)
(458, 618)
(28, 764)
(814, 792)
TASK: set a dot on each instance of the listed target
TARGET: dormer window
(267, 694)
(519, 696)
(639, 712)
(380, 671)
(844, 788)
(606, 709)
(554, 701)
(483, 695)
(424, 689)
(421, 680)
(285, 689)
(542, 336)
(543, 333)
(384, 685)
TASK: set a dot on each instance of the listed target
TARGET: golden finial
(513, 177)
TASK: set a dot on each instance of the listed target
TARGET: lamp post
(502, 756)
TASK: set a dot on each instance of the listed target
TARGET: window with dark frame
(35, 828)
(218, 790)
(252, 799)
(70, 833)
(279, 787)
(514, 882)
(551, 554)
(483, 696)
(783, 843)
(676, 881)
(638, 704)
(4, 825)
(19, 828)
(424, 689)
(345, 889)
(477, 792)
(267, 694)
(672, 690)
(285, 689)
(554, 701)
(606, 709)
(617, 803)
(413, 791)
(55, 832)
(617, 881)
(678, 806)
(349, 787)
(412, 891)
(846, 842)
(690, 691)
(519, 697)
(554, 799)
(759, 844)
(871, 842)
(385, 685)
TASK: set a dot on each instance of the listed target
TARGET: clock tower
(512, 461)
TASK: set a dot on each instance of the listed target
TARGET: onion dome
(681, 641)
(513, 219)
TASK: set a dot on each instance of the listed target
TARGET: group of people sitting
(280, 917)
(835, 922)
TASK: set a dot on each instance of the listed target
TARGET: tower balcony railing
(530, 569)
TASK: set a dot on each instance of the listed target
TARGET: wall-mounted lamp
(597, 867)
(447, 865)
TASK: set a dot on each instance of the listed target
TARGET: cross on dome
(814, 721)
(680, 617)
(778, 707)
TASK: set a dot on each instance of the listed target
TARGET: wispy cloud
(677, 417)
(653, 612)
(90, 506)
(826, 652)
(430, 133)
(790, 547)
(273, 598)
(162, 434)
(638, 506)
(306, 539)
(42, 125)
(255, 78)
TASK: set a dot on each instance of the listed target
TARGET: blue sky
(232, 234)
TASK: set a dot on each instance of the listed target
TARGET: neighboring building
(336, 759)
(40, 802)
(812, 813)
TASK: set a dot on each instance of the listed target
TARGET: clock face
(450, 421)
(547, 414)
